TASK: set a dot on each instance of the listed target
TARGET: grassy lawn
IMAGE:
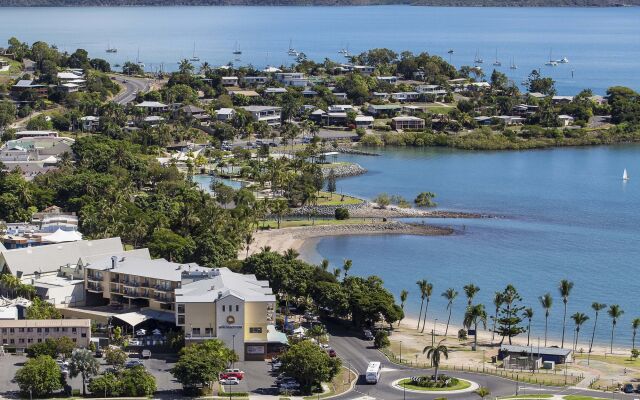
(305, 222)
(326, 199)
(577, 397)
(625, 361)
(406, 383)
(528, 396)
(340, 384)
(14, 67)
(440, 109)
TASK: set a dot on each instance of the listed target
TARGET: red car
(331, 352)
(232, 373)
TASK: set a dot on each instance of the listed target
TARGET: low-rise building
(384, 109)
(229, 81)
(254, 80)
(268, 114)
(153, 106)
(364, 121)
(407, 122)
(565, 120)
(388, 79)
(23, 333)
(90, 123)
(225, 114)
(406, 96)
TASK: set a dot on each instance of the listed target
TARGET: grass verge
(462, 384)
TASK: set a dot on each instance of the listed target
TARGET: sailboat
(237, 51)
(292, 52)
(111, 49)
(497, 62)
(625, 176)
(513, 64)
(551, 62)
(194, 57)
(477, 59)
(140, 63)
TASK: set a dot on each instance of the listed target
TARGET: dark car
(628, 388)
(99, 353)
(367, 334)
(331, 352)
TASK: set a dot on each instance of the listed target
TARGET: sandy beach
(280, 240)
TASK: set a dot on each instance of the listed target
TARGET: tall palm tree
(434, 353)
(337, 272)
(472, 316)
(324, 264)
(421, 286)
(470, 291)
(597, 307)
(565, 290)
(579, 319)
(635, 324)
(428, 291)
(614, 312)
(498, 299)
(403, 298)
(546, 302)
(528, 314)
(449, 294)
(347, 266)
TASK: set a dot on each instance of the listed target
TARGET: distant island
(441, 3)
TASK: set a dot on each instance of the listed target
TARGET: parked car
(232, 373)
(99, 353)
(289, 386)
(146, 353)
(133, 363)
(275, 365)
(367, 334)
(331, 352)
(230, 381)
(628, 388)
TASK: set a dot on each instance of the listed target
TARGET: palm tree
(347, 266)
(434, 353)
(565, 290)
(634, 324)
(528, 314)
(483, 392)
(472, 316)
(421, 285)
(597, 307)
(498, 299)
(428, 291)
(337, 272)
(324, 264)
(403, 298)
(449, 294)
(546, 302)
(579, 319)
(470, 291)
(614, 312)
(185, 67)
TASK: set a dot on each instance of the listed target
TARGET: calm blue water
(565, 213)
(204, 182)
(603, 45)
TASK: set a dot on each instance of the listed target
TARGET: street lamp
(233, 364)
(401, 352)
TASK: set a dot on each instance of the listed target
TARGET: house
(254, 80)
(69, 87)
(90, 123)
(283, 77)
(383, 96)
(512, 119)
(34, 154)
(268, 114)
(565, 120)
(34, 134)
(388, 79)
(558, 356)
(363, 69)
(364, 121)
(245, 93)
(340, 95)
(153, 106)
(225, 114)
(275, 90)
(407, 122)
(561, 99)
(386, 109)
(413, 109)
(25, 85)
(309, 93)
(317, 116)
(483, 120)
(153, 120)
(406, 96)
(340, 108)
(23, 333)
(335, 118)
(229, 81)
(194, 112)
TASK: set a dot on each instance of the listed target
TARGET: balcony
(95, 288)
(130, 283)
(163, 298)
(163, 288)
(95, 277)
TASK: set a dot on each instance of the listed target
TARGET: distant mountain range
(446, 3)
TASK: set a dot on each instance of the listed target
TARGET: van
(373, 372)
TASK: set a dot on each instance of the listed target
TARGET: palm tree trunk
(424, 319)
(493, 333)
(613, 327)
(528, 333)
(475, 336)
(448, 320)
(546, 320)
(420, 315)
(564, 319)
(593, 334)
(633, 341)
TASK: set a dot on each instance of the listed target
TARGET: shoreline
(304, 239)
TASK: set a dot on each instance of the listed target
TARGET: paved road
(132, 85)
(356, 353)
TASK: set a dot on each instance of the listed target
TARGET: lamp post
(233, 363)
(401, 352)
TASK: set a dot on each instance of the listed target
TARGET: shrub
(342, 213)
(381, 340)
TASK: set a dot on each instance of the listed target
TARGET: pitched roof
(224, 283)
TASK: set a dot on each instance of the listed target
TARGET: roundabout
(463, 386)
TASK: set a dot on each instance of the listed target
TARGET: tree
(341, 213)
(137, 382)
(403, 298)
(470, 291)
(382, 200)
(425, 199)
(497, 303)
(381, 340)
(421, 286)
(634, 325)
(614, 312)
(309, 364)
(331, 182)
(536, 83)
(450, 295)
(434, 353)
(597, 307)
(83, 363)
(202, 363)
(565, 290)
(7, 114)
(40, 376)
(483, 392)
(579, 319)
(115, 357)
(428, 291)
(40, 309)
(107, 384)
(546, 302)
(280, 208)
(346, 266)
(185, 67)
(170, 245)
(509, 318)
(528, 314)
(472, 316)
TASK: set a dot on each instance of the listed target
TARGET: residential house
(25, 85)
(384, 109)
(153, 106)
(364, 121)
(254, 80)
(229, 81)
(565, 120)
(90, 123)
(270, 115)
(225, 114)
(406, 96)
(388, 79)
(407, 122)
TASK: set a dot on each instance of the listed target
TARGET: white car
(229, 381)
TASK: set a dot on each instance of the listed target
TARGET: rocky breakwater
(325, 211)
(343, 170)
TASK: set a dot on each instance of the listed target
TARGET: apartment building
(22, 333)
(235, 308)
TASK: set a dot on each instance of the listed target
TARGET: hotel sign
(229, 326)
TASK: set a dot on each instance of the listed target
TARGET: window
(181, 308)
(195, 331)
(4, 341)
(74, 330)
(11, 330)
(64, 329)
(20, 330)
(74, 340)
(4, 330)
(46, 330)
(21, 340)
(39, 340)
(39, 330)
(180, 319)
(255, 330)
(29, 329)
(208, 331)
(83, 334)
(223, 308)
(237, 308)
(12, 341)
(30, 340)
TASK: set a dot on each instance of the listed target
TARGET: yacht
(292, 52)
(497, 62)
(111, 49)
(563, 60)
(513, 64)
(237, 51)
(551, 62)
(478, 59)
(625, 176)
(193, 56)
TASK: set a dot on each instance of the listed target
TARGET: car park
(230, 381)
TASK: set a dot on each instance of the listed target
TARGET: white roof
(156, 269)
(90, 118)
(49, 258)
(10, 312)
(151, 104)
(223, 284)
(364, 118)
(225, 111)
(61, 236)
(68, 75)
(272, 69)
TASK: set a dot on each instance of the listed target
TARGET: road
(132, 86)
(356, 353)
